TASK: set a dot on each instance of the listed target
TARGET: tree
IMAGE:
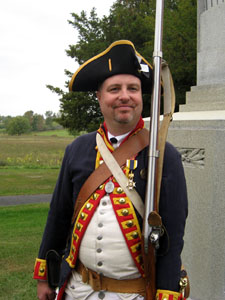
(38, 122)
(18, 125)
(49, 119)
(133, 20)
(180, 45)
(30, 116)
(80, 111)
(4, 121)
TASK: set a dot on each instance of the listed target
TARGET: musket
(152, 222)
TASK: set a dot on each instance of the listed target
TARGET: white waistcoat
(103, 250)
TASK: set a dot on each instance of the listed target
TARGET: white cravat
(119, 138)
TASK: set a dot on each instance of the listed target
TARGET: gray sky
(33, 39)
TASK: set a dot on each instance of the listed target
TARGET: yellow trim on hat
(110, 64)
(120, 42)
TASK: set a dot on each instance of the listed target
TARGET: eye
(113, 89)
(134, 88)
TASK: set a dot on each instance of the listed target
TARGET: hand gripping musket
(152, 225)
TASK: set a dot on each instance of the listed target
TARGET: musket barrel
(150, 204)
(158, 28)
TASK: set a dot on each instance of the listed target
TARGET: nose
(124, 95)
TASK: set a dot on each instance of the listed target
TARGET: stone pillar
(198, 132)
(211, 42)
(209, 94)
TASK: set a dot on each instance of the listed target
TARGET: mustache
(123, 105)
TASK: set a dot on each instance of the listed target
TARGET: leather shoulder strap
(119, 175)
(132, 146)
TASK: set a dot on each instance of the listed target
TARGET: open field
(59, 133)
(27, 181)
(21, 229)
(32, 151)
(29, 164)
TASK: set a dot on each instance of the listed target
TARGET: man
(101, 252)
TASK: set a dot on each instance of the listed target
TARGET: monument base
(201, 144)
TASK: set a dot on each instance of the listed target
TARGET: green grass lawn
(27, 181)
(59, 133)
(21, 229)
(32, 151)
(29, 164)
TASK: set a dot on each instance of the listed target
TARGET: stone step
(203, 106)
(205, 97)
(206, 93)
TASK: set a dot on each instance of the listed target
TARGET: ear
(98, 95)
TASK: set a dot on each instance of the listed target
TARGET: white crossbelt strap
(119, 175)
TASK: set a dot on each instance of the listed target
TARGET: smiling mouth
(124, 107)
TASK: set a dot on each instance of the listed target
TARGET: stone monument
(198, 132)
(210, 90)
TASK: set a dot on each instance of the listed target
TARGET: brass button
(95, 196)
(88, 205)
(122, 201)
(101, 187)
(101, 162)
(78, 226)
(135, 235)
(41, 270)
(138, 247)
(125, 212)
(129, 223)
(75, 237)
(119, 190)
(82, 215)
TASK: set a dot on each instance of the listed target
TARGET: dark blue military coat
(78, 164)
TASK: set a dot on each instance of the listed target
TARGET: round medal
(109, 187)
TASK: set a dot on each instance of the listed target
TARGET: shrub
(18, 126)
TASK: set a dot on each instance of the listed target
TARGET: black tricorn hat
(120, 57)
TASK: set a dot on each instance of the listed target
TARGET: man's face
(120, 100)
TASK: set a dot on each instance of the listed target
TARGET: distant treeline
(30, 121)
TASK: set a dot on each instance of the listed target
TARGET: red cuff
(168, 295)
(40, 269)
